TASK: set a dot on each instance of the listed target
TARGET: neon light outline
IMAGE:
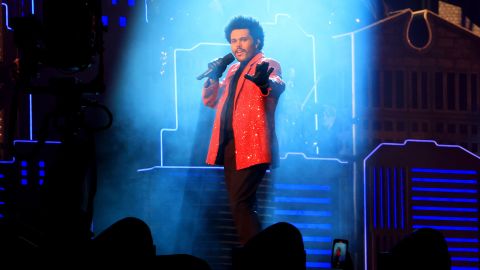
(6, 17)
(226, 44)
(365, 183)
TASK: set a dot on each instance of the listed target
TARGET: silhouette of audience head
(279, 246)
(425, 248)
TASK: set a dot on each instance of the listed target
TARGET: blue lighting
(445, 171)
(131, 3)
(318, 251)
(462, 240)
(464, 268)
(440, 199)
(30, 105)
(6, 16)
(301, 187)
(463, 249)
(402, 203)
(302, 213)
(24, 172)
(24, 182)
(114, 2)
(465, 259)
(440, 180)
(41, 173)
(320, 226)
(435, 208)
(303, 200)
(2, 203)
(1, 216)
(105, 20)
(41, 182)
(2, 175)
(318, 265)
(122, 21)
(381, 198)
(2, 189)
(450, 190)
(23, 163)
(322, 239)
(395, 197)
(447, 228)
(41, 164)
(374, 198)
(445, 218)
(388, 198)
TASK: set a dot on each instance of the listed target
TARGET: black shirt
(226, 130)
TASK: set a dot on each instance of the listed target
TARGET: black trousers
(242, 187)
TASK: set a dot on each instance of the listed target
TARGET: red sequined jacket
(253, 119)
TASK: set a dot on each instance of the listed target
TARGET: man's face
(242, 44)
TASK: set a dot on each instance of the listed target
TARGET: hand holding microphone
(217, 67)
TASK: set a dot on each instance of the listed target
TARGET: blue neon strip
(381, 197)
(462, 240)
(440, 180)
(302, 187)
(445, 218)
(464, 268)
(320, 226)
(402, 201)
(449, 190)
(318, 251)
(105, 20)
(395, 197)
(6, 16)
(440, 199)
(302, 200)
(34, 141)
(388, 197)
(318, 265)
(447, 228)
(31, 116)
(322, 239)
(445, 171)
(463, 249)
(122, 21)
(302, 213)
(2, 203)
(146, 11)
(465, 259)
(453, 209)
(374, 198)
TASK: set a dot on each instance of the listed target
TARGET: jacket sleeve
(210, 93)
(276, 85)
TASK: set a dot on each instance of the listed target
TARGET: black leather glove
(217, 69)
(262, 72)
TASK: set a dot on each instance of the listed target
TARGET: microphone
(224, 61)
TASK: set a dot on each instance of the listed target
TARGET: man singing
(243, 136)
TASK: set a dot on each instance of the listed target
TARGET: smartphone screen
(339, 253)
